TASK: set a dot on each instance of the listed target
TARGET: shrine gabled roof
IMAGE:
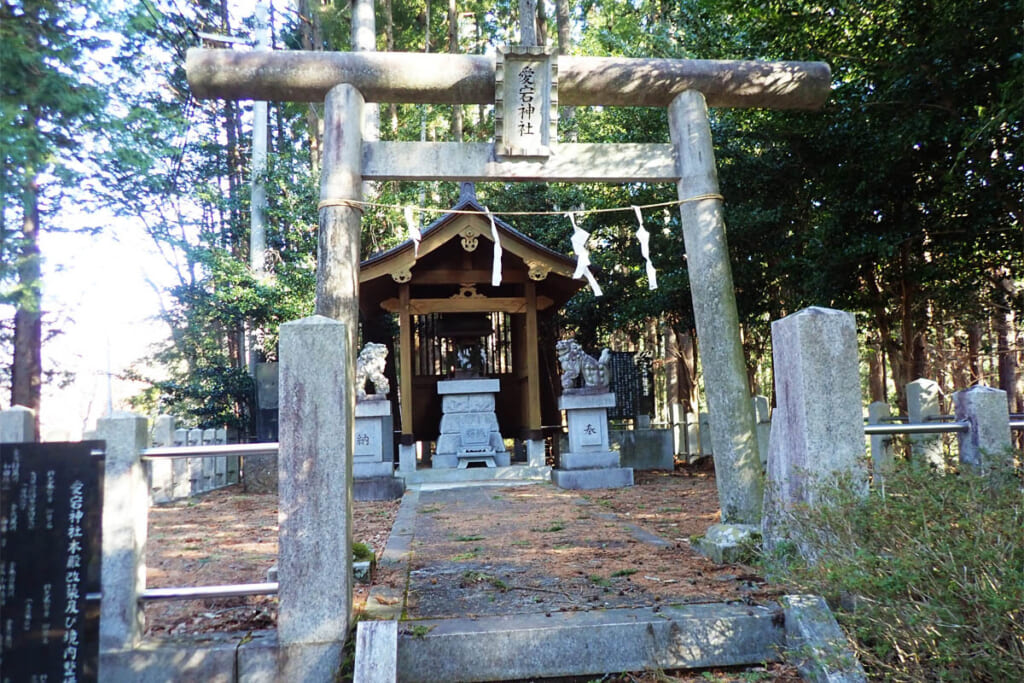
(464, 204)
(448, 254)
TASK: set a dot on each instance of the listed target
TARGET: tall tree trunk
(453, 47)
(542, 25)
(876, 373)
(688, 394)
(1005, 336)
(568, 114)
(27, 365)
(975, 376)
(389, 42)
(670, 362)
(313, 39)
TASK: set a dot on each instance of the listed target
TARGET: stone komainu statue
(577, 365)
(370, 366)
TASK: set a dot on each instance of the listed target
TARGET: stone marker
(315, 484)
(923, 407)
(17, 425)
(881, 445)
(987, 447)
(763, 418)
(818, 428)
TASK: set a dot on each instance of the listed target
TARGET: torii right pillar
(733, 424)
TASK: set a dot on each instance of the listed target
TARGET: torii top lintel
(417, 78)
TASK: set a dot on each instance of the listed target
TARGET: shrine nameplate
(51, 499)
(525, 102)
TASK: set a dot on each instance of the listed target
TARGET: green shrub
(927, 579)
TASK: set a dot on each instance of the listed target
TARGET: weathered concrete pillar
(337, 277)
(17, 425)
(922, 407)
(317, 420)
(733, 432)
(125, 513)
(818, 427)
(987, 447)
(881, 445)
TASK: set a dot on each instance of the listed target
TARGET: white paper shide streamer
(579, 245)
(496, 263)
(414, 231)
(644, 238)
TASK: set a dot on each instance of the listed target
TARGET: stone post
(881, 446)
(317, 415)
(733, 431)
(922, 404)
(818, 426)
(125, 512)
(763, 416)
(535, 452)
(161, 470)
(987, 447)
(704, 445)
(17, 425)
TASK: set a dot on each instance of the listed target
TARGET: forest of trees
(900, 200)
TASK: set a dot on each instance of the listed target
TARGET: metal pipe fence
(210, 450)
(208, 592)
(916, 428)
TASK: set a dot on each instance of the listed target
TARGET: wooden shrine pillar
(406, 443)
(534, 437)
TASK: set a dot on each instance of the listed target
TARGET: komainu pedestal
(373, 467)
(589, 463)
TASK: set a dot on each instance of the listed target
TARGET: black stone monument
(51, 504)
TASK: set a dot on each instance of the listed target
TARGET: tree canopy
(900, 200)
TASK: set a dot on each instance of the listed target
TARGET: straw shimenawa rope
(360, 205)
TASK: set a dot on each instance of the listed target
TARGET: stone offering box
(590, 463)
(469, 425)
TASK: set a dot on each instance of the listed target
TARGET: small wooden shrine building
(442, 292)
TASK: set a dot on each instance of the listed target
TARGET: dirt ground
(594, 548)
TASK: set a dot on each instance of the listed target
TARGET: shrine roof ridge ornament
(435, 78)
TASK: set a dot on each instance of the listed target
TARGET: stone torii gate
(345, 81)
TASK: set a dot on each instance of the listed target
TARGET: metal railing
(211, 450)
(210, 592)
(916, 428)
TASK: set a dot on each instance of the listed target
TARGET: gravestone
(51, 497)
